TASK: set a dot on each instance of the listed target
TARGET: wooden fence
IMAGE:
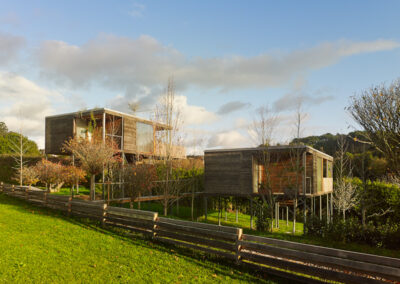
(296, 261)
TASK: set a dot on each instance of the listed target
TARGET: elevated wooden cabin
(133, 136)
(241, 172)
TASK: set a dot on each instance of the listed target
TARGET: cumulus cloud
(128, 65)
(232, 107)
(228, 139)
(193, 115)
(10, 45)
(25, 105)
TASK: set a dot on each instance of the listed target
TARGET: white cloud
(228, 139)
(193, 115)
(127, 65)
(25, 105)
(137, 10)
(232, 106)
(9, 46)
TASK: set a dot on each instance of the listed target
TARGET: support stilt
(205, 208)
(251, 213)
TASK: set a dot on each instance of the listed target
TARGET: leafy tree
(29, 175)
(52, 174)
(94, 155)
(73, 175)
(139, 179)
(377, 111)
(3, 129)
(11, 138)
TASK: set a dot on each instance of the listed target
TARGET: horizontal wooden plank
(196, 247)
(307, 269)
(134, 229)
(205, 232)
(134, 212)
(88, 204)
(197, 240)
(284, 274)
(388, 261)
(357, 266)
(57, 207)
(212, 227)
(58, 197)
(131, 222)
(87, 215)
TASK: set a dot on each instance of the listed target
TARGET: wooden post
(103, 220)
(205, 208)
(287, 216)
(305, 215)
(192, 205)
(238, 246)
(177, 206)
(108, 193)
(327, 209)
(277, 215)
(331, 206)
(251, 213)
(140, 195)
(155, 218)
(320, 207)
(219, 211)
(237, 210)
(69, 206)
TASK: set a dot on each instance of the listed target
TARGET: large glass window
(144, 138)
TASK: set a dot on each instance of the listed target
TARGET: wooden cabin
(241, 172)
(134, 137)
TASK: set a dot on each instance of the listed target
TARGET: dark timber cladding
(122, 128)
(240, 172)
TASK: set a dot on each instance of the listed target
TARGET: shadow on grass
(225, 267)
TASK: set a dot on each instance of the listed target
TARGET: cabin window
(144, 137)
(81, 128)
(329, 169)
(325, 171)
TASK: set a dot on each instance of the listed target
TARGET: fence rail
(283, 258)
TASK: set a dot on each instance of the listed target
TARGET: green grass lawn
(284, 232)
(42, 246)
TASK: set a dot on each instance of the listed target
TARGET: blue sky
(227, 57)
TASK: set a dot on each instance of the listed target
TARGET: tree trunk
(363, 218)
(92, 187)
(165, 206)
(294, 216)
(344, 215)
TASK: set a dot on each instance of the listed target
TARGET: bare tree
(168, 113)
(296, 155)
(345, 194)
(263, 128)
(377, 111)
(19, 149)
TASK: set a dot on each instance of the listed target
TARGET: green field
(41, 246)
(284, 232)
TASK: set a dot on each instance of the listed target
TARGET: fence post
(1, 186)
(238, 246)
(103, 220)
(12, 188)
(69, 206)
(153, 229)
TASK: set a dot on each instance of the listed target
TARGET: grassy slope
(284, 232)
(37, 246)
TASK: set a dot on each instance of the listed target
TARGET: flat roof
(280, 147)
(112, 112)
